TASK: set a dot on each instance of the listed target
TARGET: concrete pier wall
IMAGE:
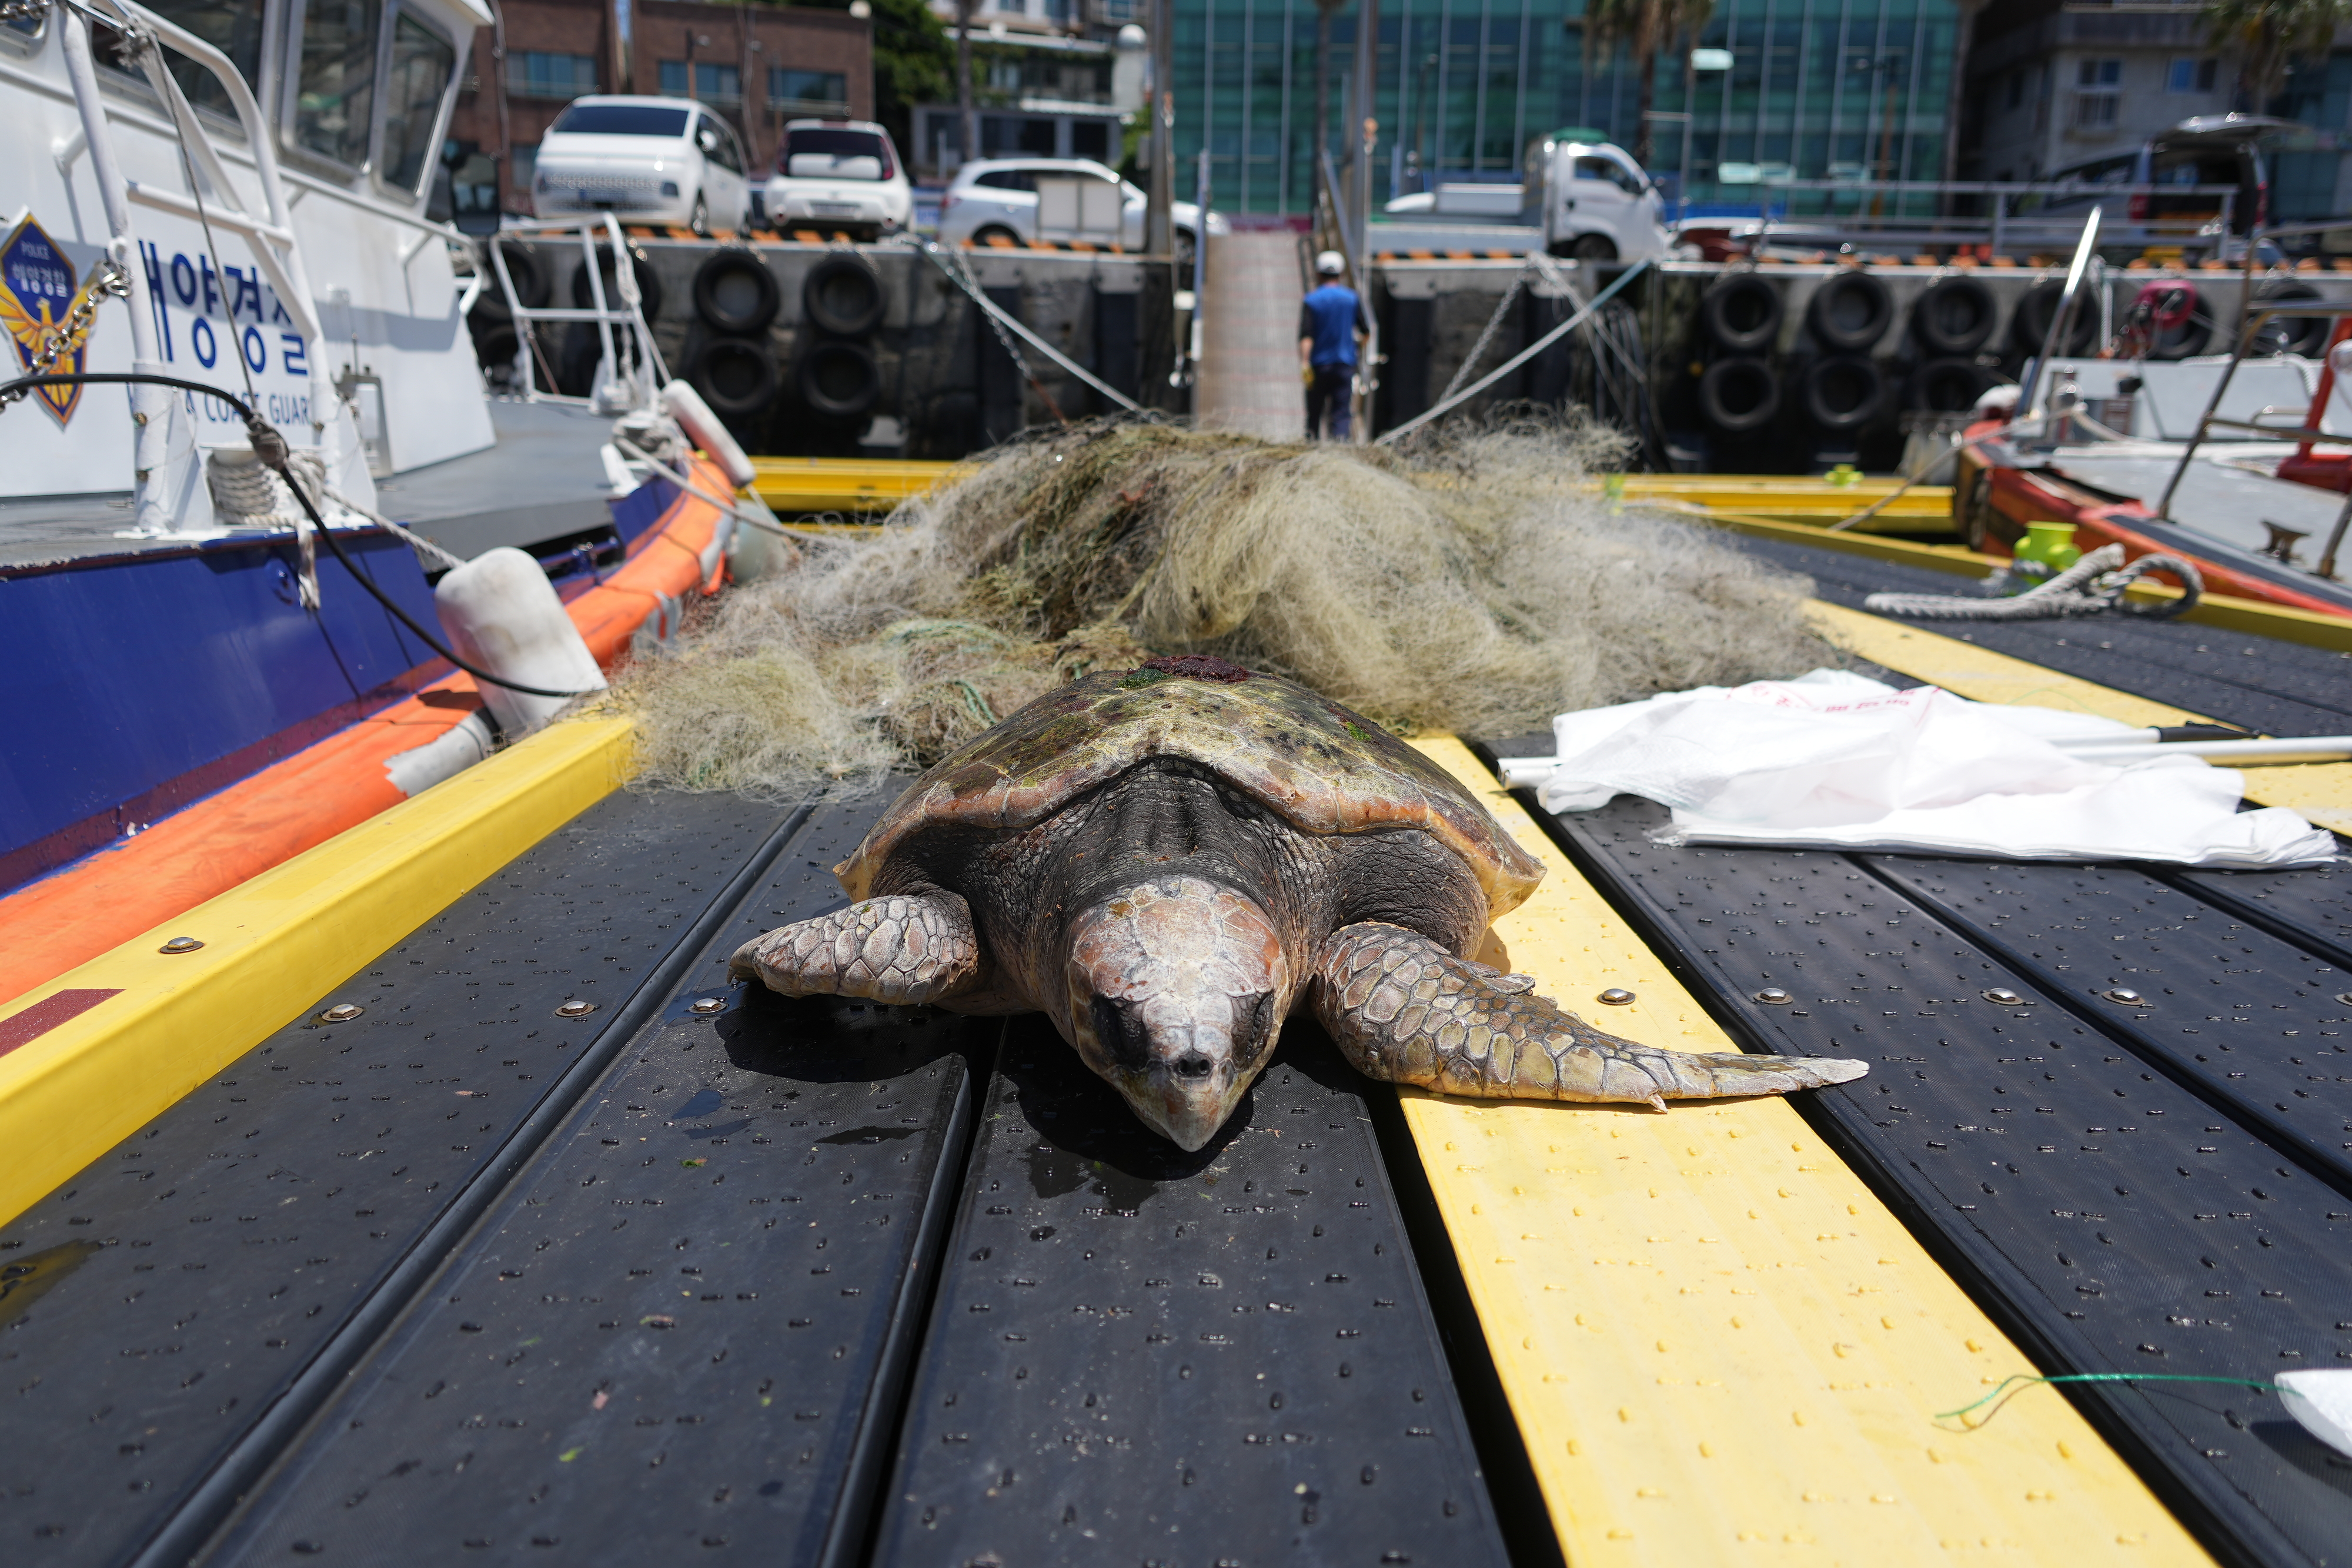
(940, 383)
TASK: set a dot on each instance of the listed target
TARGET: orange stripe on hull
(203, 851)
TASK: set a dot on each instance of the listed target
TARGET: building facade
(759, 66)
(2054, 85)
(1814, 89)
(1051, 79)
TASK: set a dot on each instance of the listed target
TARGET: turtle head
(1176, 991)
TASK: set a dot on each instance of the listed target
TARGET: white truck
(1580, 196)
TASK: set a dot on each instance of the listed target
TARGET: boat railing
(2253, 319)
(2002, 228)
(629, 368)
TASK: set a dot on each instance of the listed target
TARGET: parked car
(2208, 150)
(999, 197)
(840, 174)
(655, 160)
(1597, 204)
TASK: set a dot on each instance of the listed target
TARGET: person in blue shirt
(1331, 327)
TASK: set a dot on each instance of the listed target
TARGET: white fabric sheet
(1835, 760)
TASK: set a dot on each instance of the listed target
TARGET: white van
(647, 160)
(1597, 204)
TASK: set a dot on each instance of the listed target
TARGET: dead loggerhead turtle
(1165, 860)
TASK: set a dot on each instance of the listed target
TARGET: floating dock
(447, 1202)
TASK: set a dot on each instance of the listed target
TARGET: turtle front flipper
(1406, 1010)
(913, 948)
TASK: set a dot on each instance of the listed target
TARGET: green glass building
(1815, 89)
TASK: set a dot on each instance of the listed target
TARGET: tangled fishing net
(1478, 583)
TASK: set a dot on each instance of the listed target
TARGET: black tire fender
(2038, 307)
(735, 292)
(1954, 316)
(1739, 395)
(649, 289)
(1946, 386)
(1742, 313)
(736, 376)
(1851, 311)
(1842, 393)
(839, 380)
(842, 295)
(526, 270)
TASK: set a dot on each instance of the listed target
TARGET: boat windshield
(335, 86)
(232, 26)
(421, 63)
(620, 119)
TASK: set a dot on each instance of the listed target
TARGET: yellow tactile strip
(270, 947)
(2321, 791)
(1719, 1346)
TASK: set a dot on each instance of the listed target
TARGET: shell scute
(1310, 761)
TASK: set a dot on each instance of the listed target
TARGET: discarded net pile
(1479, 584)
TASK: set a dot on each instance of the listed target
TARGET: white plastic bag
(1836, 760)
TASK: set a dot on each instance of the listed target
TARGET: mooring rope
(2092, 585)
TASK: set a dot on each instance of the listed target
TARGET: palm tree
(1645, 26)
(2268, 35)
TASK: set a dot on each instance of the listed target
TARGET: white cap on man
(1330, 264)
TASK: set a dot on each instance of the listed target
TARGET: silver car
(1030, 201)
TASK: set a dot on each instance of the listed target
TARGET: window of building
(2191, 75)
(718, 84)
(807, 91)
(2099, 90)
(334, 86)
(2016, 89)
(422, 62)
(712, 83)
(535, 74)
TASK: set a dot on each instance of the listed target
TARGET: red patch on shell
(1197, 667)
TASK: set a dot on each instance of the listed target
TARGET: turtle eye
(1121, 1033)
(1253, 1026)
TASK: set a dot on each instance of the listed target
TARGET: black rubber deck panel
(1142, 1356)
(685, 1329)
(2242, 1018)
(2260, 682)
(183, 1297)
(2108, 1217)
(2310, 907)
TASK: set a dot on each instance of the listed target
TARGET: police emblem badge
(37, 295)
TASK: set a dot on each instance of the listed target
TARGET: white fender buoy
(703, 428)
(502, 614)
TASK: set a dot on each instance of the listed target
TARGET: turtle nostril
(1192, 1064)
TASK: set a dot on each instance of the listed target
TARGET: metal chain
(109, 280)
(1494, 324)
(971, 287)
(22, 10)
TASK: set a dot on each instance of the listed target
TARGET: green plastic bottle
(2050, 544)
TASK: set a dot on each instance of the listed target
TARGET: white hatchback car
(646, 159)
(998, 198)
(840, 174)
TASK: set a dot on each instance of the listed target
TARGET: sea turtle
(1165, 860)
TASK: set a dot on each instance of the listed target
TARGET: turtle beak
(1176, 992)
(1197, 1068)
